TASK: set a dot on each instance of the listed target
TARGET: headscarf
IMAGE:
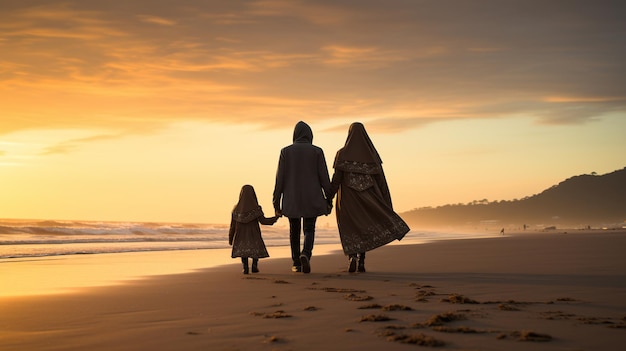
(302, 133)
(358, 154)
(247, 209)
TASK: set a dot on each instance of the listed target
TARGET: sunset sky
(161, 110)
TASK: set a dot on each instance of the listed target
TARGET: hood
(302, 133)
(247, 209)
(359, 148)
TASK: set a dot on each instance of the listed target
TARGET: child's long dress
(247, 240)
(245, 233)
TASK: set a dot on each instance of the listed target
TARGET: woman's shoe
(352, 266)
(361, 267)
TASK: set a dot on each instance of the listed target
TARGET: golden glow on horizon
(584, 99)
(149, 111)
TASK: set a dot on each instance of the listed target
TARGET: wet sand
(539, 291)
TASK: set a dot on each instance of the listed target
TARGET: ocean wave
(104, 228)
(37, 238)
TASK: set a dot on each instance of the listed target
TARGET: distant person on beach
(365, 215)
(301, 192)
(245, 233)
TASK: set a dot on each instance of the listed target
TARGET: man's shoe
(306, 265)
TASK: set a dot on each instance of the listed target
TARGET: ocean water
(44, 238)
(48, 257)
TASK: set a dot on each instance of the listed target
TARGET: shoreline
(70, 273)
(542, 292)
(118, 268)
(66, 274)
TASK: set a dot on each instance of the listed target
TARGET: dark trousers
(295, 224)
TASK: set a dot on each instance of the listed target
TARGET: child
(245, 233)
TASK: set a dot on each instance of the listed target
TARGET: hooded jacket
(302, 180)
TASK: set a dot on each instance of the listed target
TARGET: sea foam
(36, 238)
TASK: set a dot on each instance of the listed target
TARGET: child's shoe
(244, 261)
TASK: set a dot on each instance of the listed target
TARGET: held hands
(277, 215)
(329, 207)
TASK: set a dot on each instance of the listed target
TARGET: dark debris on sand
(375, 318)
(566, 299)
(355, 297)
(457, 298)
(462, 330)
(272, 339)
(526, 336)
(371, 306)
(396, 307)
(440, 319)
(507, 307)
(557, 315)
(344, 290)
(338, 290)
(394, 327)
(425, 293)
(273, 315)
(415, 339)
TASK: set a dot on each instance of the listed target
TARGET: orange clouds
(359, 57)
(156, 20)
(584, 99)
(144, 109)
(402, 64)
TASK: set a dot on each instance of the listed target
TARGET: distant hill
(580, 201)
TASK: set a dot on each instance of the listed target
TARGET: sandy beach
(534, 291)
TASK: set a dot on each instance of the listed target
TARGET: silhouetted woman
(365, 215)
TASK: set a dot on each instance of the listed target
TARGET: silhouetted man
(302, 183)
